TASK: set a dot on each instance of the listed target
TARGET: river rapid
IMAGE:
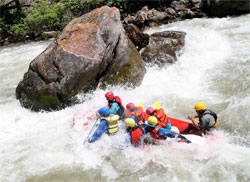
(214, 68)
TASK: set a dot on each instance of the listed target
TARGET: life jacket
(128, 113)
(118, 100)
(161, 116)
(138, 113)
(145, 116)
(112, 122)
(154, 131)
(136, 135)
(207, 111)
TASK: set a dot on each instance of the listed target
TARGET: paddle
(192, 138)
(157, 105)
(91, 129)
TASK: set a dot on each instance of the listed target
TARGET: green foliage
(44, 16)
(120, 4)
(9, 20)
(18, 30)
(39, 17)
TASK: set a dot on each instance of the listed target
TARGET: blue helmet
(103, 111)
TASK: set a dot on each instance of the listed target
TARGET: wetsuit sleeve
(99, 131)
(114, 108)
(164, 132)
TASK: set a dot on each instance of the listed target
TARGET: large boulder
(163, 47)
(92, 50)
(146, 17)
(171, 12)
(139, 39)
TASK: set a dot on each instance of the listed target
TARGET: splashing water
(214, 68)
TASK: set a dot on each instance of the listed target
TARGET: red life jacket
(154, 131)
(161, 116)
(128, 113)
(138, 113)
(117, 100)
(136, 135)
(145, 116)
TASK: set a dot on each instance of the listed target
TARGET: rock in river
(92, 50)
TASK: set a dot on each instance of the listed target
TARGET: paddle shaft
(91, 129)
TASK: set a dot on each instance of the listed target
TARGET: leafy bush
(8, 20)
(18, 30)
(44, 16)
(120, 4)
(39, 17)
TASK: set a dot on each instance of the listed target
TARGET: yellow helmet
(152, 120)
(129, 122)
(199, 106)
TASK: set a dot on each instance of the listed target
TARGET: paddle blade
(195, 139)
(157, 105)
(140, 104)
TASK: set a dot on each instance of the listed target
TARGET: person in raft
(108, 124)
(160, 115)
(115, 105)
(207, 120)
(135, 132)
(135, 113)
(158, 130)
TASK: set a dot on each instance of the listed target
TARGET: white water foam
(214, 68)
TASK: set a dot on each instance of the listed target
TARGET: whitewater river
(214, 68)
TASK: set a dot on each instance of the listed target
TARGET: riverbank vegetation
(22, 21)
(31, 19)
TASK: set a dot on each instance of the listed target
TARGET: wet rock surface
(163, 47)
(92, 50)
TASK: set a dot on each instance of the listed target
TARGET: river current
(214, 68)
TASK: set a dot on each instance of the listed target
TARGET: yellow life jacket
(112, 123)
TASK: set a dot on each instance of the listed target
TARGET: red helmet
(130, 106)
(109, 95)
(149, 110)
